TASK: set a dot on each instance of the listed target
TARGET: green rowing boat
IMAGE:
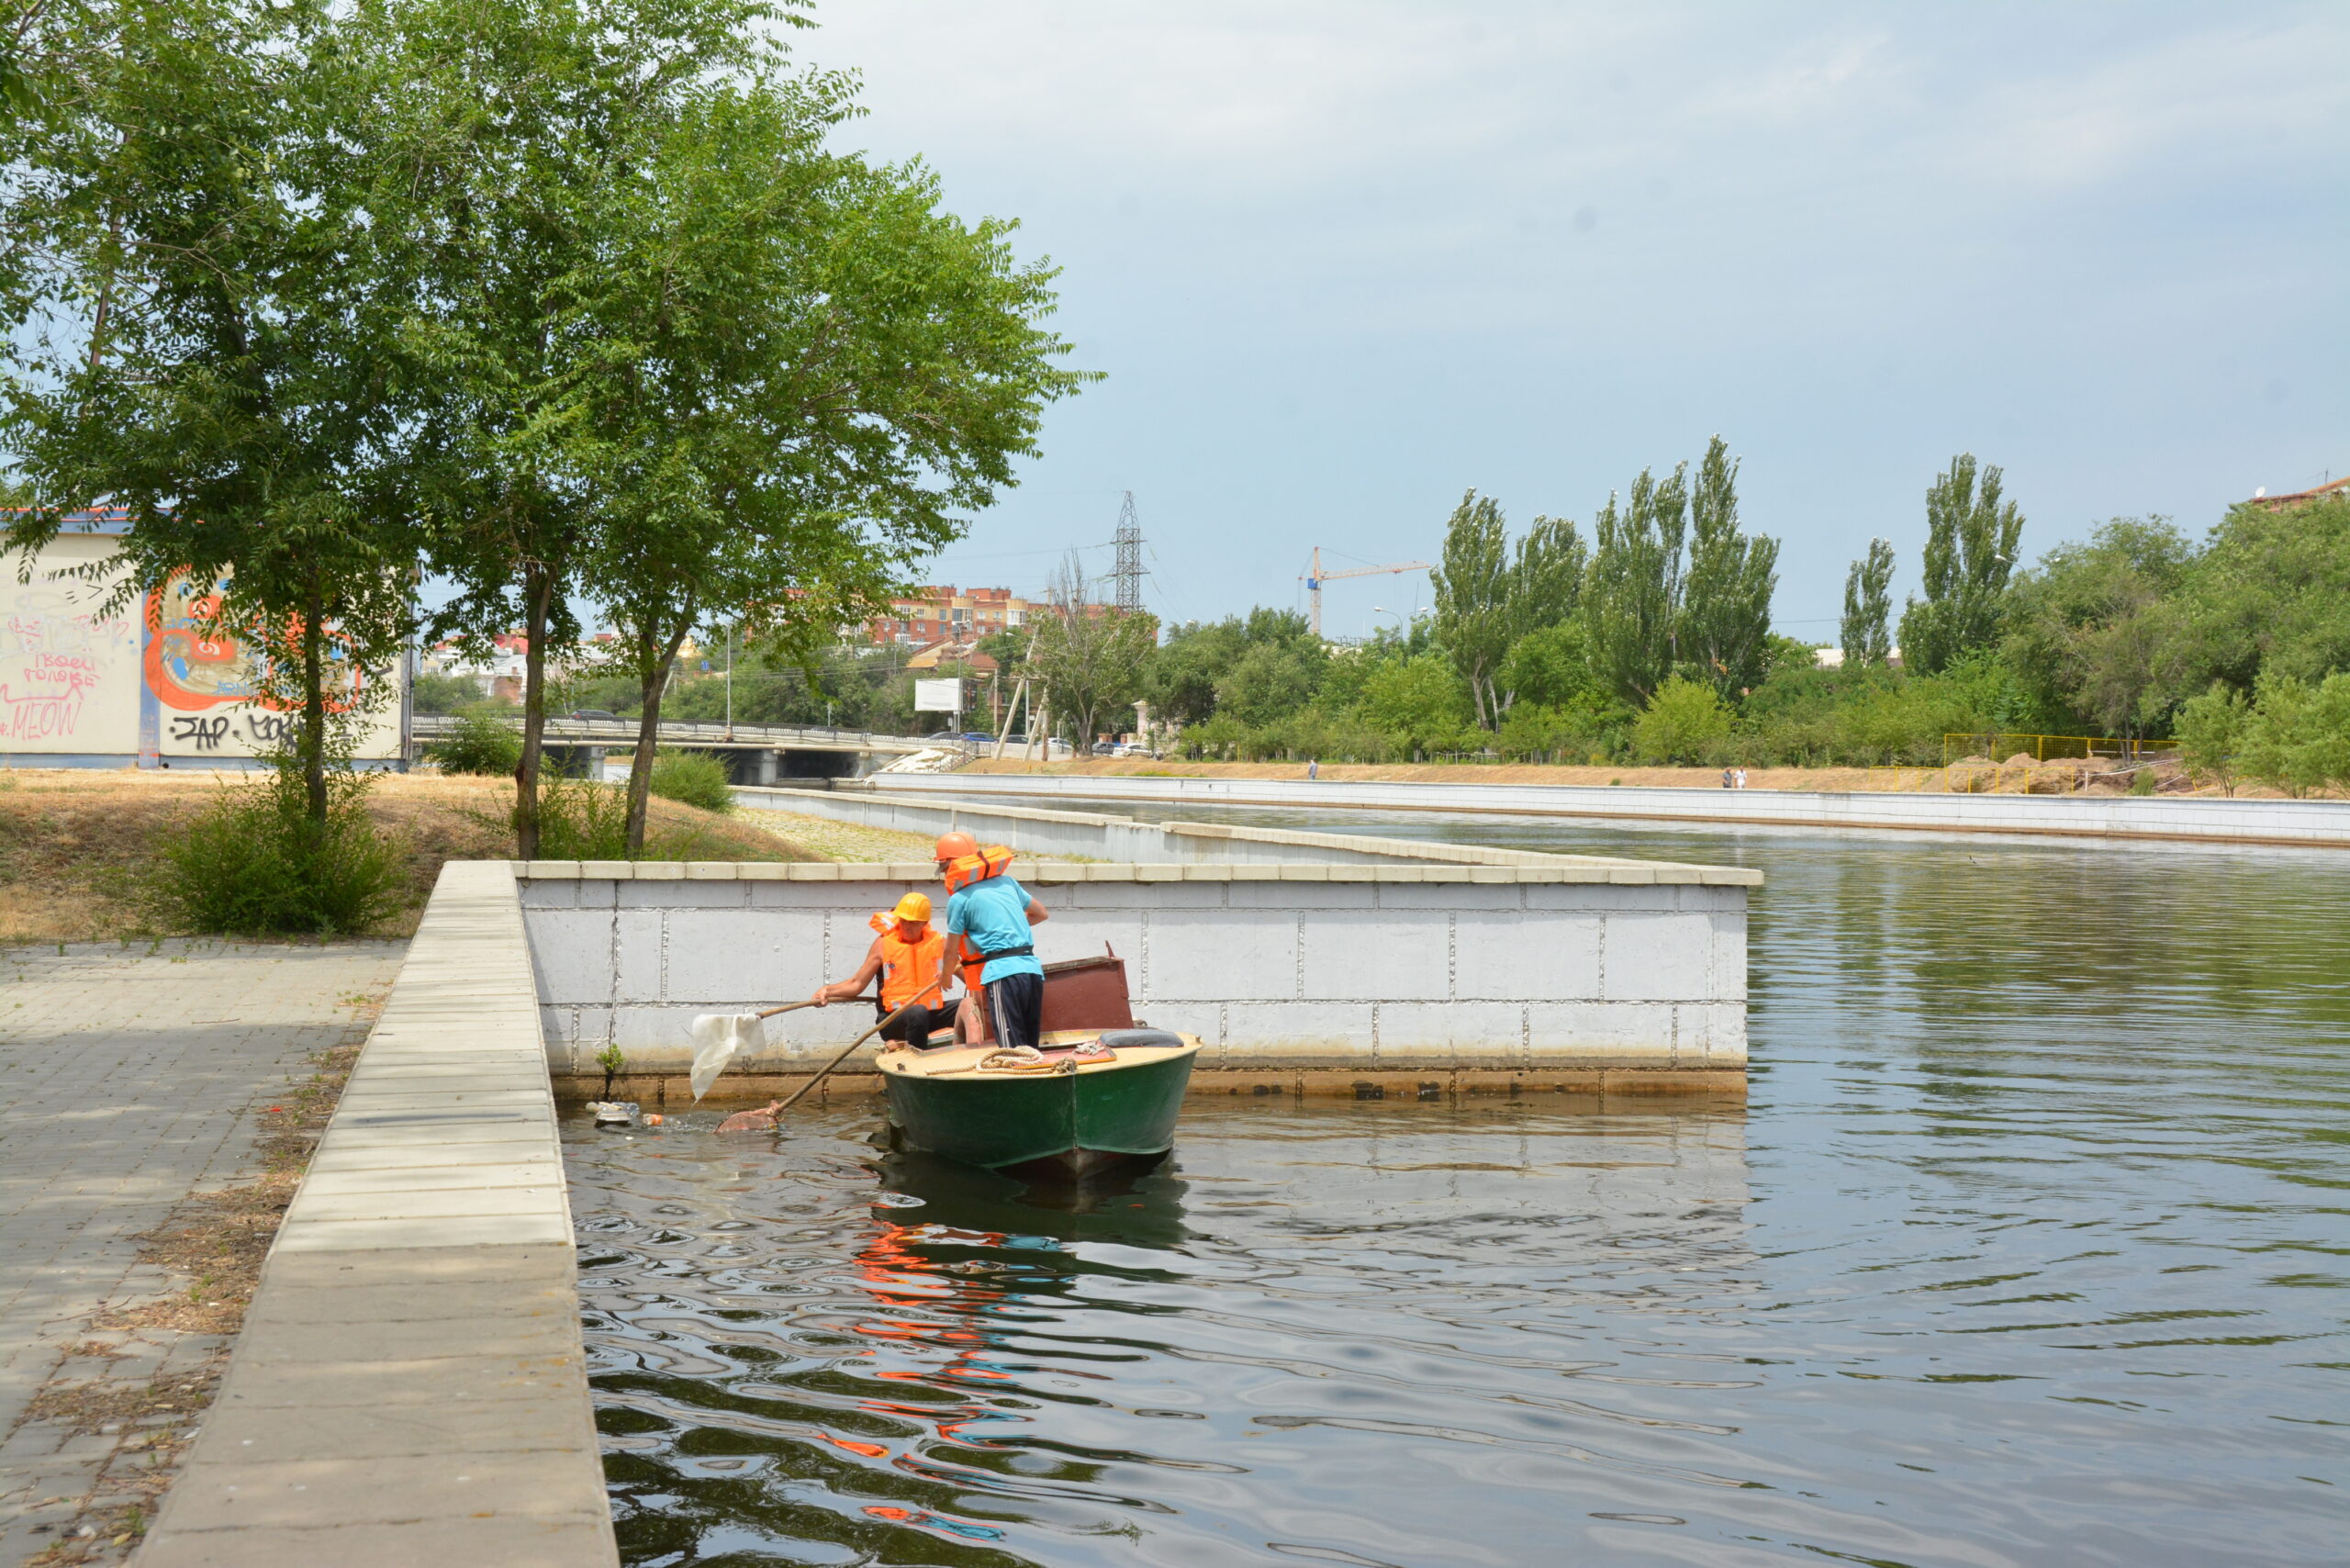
(1085, 1107)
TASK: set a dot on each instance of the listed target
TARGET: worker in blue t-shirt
(992, 912)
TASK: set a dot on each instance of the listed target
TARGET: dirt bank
(76, 843)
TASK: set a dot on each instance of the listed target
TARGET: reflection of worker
(992, 912)
(906, 954)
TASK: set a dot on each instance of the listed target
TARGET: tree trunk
(314, 708)
(652, 679)
(539, 591)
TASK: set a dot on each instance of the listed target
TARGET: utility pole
(1128, 570)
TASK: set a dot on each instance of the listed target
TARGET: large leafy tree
(1088, 657)
(801, 371)
(210, 354)
(1868, 604)
(1972, 531)
(1724, 623)
(1489, 595)
(1631, 595)
(2095, 627)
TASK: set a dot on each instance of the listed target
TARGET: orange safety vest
(992, 861)
(908, 968)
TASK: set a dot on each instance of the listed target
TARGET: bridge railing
(622, 733)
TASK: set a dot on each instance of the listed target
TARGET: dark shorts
(914, 1026)
(1016, 1008)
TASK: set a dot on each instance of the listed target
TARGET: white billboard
(938, 697)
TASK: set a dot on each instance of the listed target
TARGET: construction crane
(1315, 576)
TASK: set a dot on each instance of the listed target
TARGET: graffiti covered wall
(83, 689)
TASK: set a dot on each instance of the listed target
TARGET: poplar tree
(1631, 591)
(1971, 538)
(1490, 595)
(1868, 603)
(1724, 623)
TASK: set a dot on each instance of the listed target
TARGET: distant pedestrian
(1313, 767)
(1728, 778)
(1741, 779)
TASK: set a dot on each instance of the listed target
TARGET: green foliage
(693, 778)
(1092, 664)
(485, 742)
(1725, 621)
(2210, 734)
(256, 861)
(1420, 700)
(1631, 593)
(2298, 738)
(1550, 667)
(1487, 599)
(1868, 602)
(1682, 722)
(2096, 626)
(2270, 591)
(433, 692)
(1971, 539)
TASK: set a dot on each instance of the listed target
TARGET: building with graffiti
(85, 682)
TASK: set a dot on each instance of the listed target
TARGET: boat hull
(1073, 1122)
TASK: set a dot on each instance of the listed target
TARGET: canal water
(2032, 1245)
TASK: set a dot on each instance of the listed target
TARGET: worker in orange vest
(906, 954)
(989, 913)
(971, 1017)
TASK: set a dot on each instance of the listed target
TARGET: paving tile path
(128, 1079)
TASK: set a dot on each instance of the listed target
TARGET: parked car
(595, 713)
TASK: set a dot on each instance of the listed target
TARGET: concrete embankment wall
(2296, 824)
(1048, 833)
(410, 1386)
(1565, 973)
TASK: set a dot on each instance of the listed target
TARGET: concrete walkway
(128, 1079)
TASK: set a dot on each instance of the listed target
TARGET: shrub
(2298, 736)
(693, 778)
(1681, 723)
(484, 744)
(2211, 731)
(254, 862)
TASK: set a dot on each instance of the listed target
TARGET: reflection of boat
(1091, 1098)
(1136, 1204)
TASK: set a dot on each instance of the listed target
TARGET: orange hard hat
(955, 845)
(913, 909)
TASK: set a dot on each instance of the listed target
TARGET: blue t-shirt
(995, 914)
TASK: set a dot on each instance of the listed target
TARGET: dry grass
(77, 845)
(847, 841)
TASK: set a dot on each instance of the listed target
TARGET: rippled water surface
(2029, 1247)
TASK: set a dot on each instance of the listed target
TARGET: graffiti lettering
(207, 733)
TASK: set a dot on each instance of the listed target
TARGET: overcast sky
(1344, 259)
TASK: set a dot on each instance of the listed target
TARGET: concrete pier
(410, 1386)
(1305, 961)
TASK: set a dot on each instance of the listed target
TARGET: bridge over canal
(754, 753)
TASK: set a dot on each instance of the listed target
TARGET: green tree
(1680, 721)
(1089, 657)
(2211, 731)
(2094, 628)
(231, 378)
(1490, 593)
(1420, 700)
(2270, 590)
(2298, 738)
(1868, 603)
(1632, 594)
(1550, 666)
(1725, 621)
(1971, 538)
